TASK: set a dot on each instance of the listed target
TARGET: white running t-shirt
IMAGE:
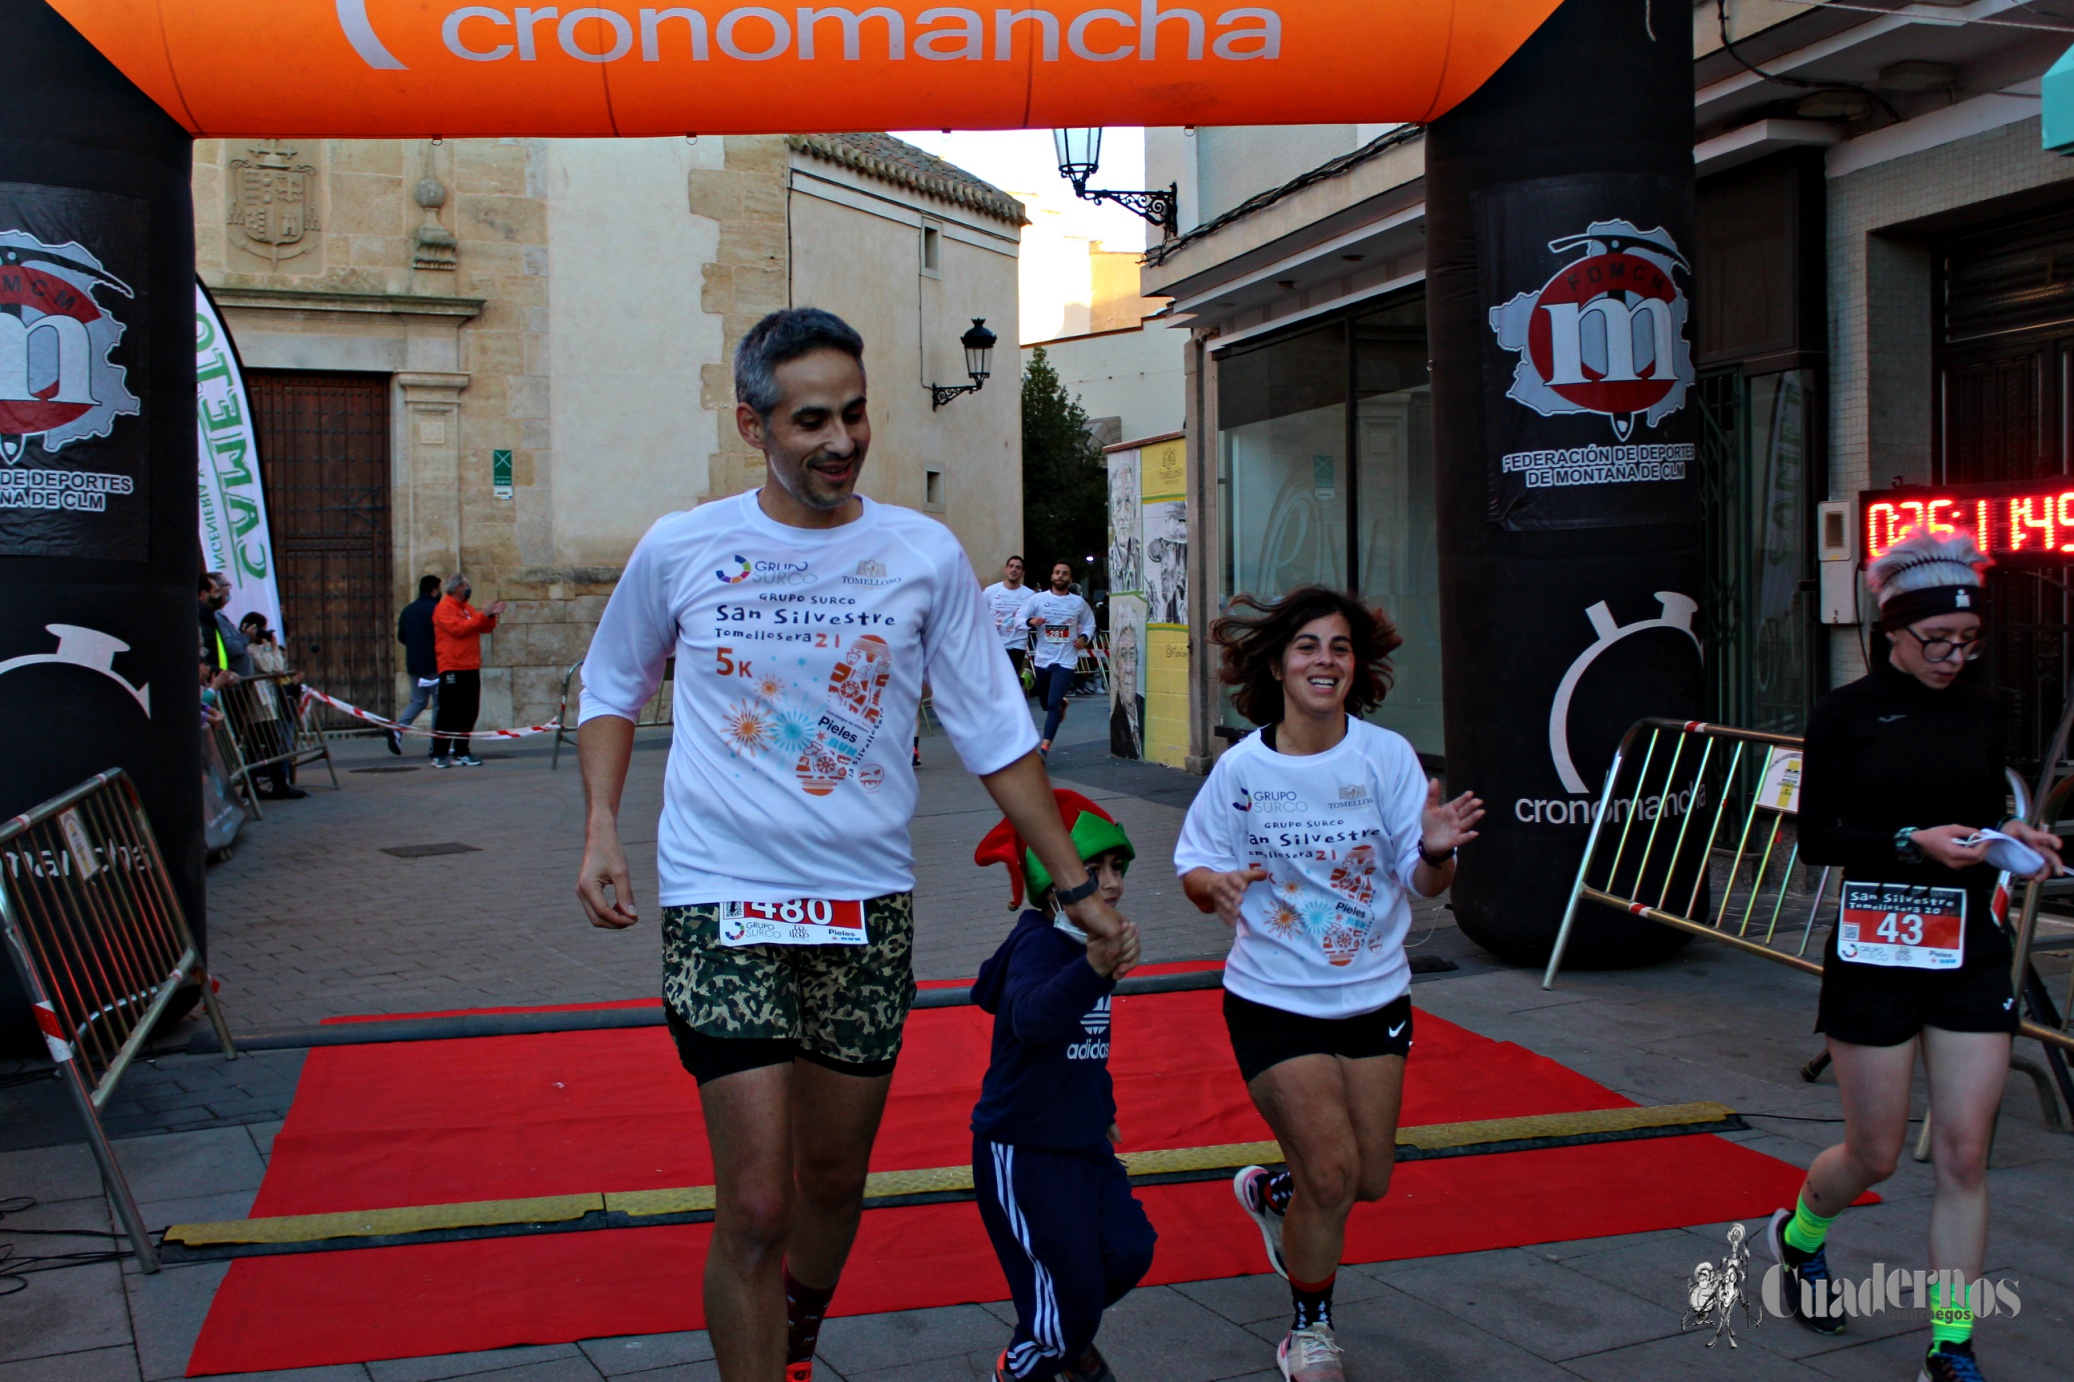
(1338, 833)
(1007, 603)
(1065, 617)
(800, 658)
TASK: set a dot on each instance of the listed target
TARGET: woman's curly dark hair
(1253, 644)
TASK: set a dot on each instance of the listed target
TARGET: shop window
(1316, 491)
(1757, 606)
(1396, 530)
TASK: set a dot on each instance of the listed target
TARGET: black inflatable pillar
(98, 550)
(1559, 220)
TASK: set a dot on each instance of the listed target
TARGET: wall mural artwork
(1127, 676)
(1166, 562)
(1126, 540)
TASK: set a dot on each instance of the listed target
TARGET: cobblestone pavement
(311, 919)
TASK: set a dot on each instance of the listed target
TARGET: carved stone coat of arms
(272, 203)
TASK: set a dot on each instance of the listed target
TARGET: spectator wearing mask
(420, 655)
(229, 649)
(458, 628)
(226, 647)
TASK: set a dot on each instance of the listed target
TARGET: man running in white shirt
(1006, 598)
(1065, 625)
(803, 618)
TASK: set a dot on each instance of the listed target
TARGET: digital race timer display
(2022, 518)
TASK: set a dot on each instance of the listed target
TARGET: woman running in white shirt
(1306, 839)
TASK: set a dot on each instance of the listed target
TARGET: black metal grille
(324, 440)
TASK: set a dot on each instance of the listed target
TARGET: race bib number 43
(800, 921)
(1902, 926)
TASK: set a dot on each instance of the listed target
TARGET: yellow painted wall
(1166, 695)
(1163, 476)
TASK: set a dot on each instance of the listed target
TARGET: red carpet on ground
(503, 1117)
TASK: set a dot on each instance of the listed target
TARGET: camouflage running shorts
(739, 1007)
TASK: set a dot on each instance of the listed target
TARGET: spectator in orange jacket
(457, 630)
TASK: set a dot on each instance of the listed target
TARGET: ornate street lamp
(979, 363)
(1080, 157)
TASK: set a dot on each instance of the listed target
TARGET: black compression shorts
(1262, 1036)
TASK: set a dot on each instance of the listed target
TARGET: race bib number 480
(1902, 926)
(800, 921)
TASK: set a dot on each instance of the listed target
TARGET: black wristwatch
(1079, 892)
(1432, 862)
(1906, 849)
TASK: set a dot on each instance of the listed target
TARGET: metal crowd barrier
(100, 944)
(654, 714)
(263, 724)
(1748, 887)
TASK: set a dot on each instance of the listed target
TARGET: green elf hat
(1094, 832)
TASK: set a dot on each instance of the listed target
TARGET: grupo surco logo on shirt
(762, 572)
(58, 382)
(1606, 333)
(1275, 803)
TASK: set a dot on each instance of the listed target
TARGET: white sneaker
(1250, 1185)
(1311, 1355)
(468, 760)
(442, 762)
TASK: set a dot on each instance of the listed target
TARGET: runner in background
(803, 618)
(1317, 989)
(1064, 624)
(1900, 771)
(1006, 598)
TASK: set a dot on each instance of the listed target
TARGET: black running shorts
(1262, 1036)
(1870, 1005)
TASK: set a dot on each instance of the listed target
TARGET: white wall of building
(630, 338)
(1133, 376)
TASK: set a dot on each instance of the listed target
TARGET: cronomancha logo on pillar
(1606, 333)
(59, 383)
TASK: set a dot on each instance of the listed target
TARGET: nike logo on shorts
(1397, 1029)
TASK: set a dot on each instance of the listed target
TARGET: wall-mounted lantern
(1080, 158)
(979, 363)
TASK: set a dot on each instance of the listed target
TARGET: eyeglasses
(1941, 649)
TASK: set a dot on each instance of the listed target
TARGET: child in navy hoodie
(1055, 1200)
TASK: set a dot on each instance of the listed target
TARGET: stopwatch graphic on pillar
(1678, 613)
(89, 649)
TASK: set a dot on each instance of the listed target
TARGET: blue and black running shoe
(1798, 1269)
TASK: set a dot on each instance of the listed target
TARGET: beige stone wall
(593, 296)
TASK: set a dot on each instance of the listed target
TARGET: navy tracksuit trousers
(1072, 1242)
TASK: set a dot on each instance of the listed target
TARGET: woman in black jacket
(1902, 768)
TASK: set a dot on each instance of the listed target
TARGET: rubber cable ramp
(593, 1211)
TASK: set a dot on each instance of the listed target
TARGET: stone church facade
(510, 357)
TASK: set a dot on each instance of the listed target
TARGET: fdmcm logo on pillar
(58, 381)
(1606, 333)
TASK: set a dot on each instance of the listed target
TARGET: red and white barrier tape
(310, 693)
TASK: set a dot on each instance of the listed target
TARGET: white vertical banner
(234, 532)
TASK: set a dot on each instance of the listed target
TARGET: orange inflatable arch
(415, 68)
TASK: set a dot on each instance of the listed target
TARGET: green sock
(1805, 1231)
(1951, 1324)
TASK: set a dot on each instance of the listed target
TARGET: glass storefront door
(1757, 608)
(1297, 511)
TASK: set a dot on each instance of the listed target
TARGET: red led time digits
(2030, 519)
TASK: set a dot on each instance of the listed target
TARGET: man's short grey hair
(454, 583)
(783, 336)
